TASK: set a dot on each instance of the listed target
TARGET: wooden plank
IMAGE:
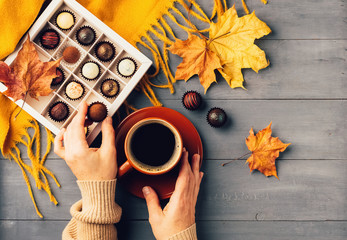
(236, 230)
(303, 192)
(299, 69)
(308, 19)
(307, 191)
(316, 128)
(309, 65)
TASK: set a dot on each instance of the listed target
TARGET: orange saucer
(164, 184)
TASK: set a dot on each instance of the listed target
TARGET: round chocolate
(126, 67)
(216, 117)
(59, 111)
(191, 100)
(60, 77)
(109, 88)
(50, 39)
(71, 54)
(105, 51)
(85, 35)
(74, 90)
(65, 20)
(97, 112)
(90, 70)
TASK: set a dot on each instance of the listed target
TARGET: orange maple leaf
(197, 59)
(27, 74)
(265, 149)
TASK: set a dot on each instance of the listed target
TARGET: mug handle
(126, 167)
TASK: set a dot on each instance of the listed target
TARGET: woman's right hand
(179, 213)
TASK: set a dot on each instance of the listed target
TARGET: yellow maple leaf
(265, 149)
(232, 38)
(197, 59)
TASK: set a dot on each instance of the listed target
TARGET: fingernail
(184, 149)
(145, 190)
(108, 120)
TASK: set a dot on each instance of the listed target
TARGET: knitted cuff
(187, 234)
(98, 201)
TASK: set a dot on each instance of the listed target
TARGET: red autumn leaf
(28, 74)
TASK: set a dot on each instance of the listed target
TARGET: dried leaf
(232, 38)
(28, 75)
(265, 149)
(197, 59)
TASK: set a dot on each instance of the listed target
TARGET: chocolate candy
(59, 111)
(109, 88)
(90, 70)
(65, 20)
(105, 51)
(49, 39)
(191, 100)
(126, 67)
(85, 35)
(97, 112)
(74, 90)
(71, 55)
(60, 77)
(216, 117)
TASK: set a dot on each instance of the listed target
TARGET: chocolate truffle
(126, 67)
(97, 112)
(49, 39)
(90, 70)
(216, 117)
(109, 88)
(74, 90)
(65, 20)
(71, 55)
(85, 35)
(105, 51)
(191, 100)
(59, 111)
(60, 77)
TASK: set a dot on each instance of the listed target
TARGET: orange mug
(133, 161)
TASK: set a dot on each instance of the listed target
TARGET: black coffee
(153, 144)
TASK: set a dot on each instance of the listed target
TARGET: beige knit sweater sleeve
(94, 216)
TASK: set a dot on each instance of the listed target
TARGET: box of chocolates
(97, 66)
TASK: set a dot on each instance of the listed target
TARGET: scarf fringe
(37, 169)
(163, 32)
(203, 17)
(245, 8)
(218, 8)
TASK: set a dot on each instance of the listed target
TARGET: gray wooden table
(303, 92)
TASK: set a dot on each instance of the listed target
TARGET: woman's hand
(179, 213)
(87, 163)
